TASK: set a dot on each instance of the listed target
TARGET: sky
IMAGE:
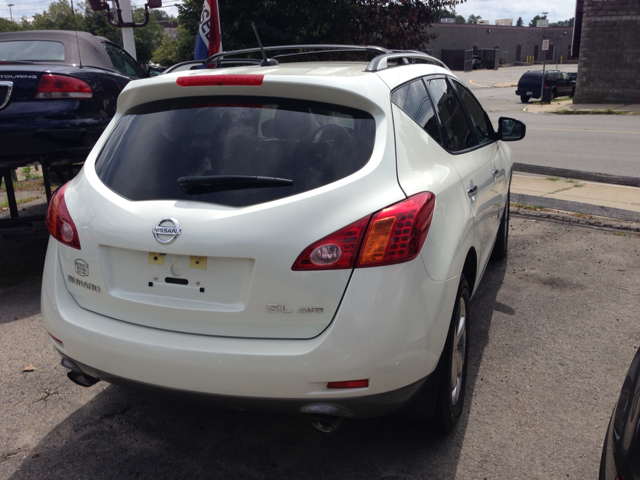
(492, 10)
(488, 9)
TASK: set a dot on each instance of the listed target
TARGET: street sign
(545, 45)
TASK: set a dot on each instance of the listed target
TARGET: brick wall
(609, 66)
(464, 37)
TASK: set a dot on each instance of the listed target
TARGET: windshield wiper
(219, 183)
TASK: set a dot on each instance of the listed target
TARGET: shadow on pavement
(121, 433)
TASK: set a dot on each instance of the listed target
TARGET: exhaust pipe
(77, 376)
(82, 379)
(325, 424)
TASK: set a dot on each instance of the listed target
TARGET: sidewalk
(578, 196)
(553, 107)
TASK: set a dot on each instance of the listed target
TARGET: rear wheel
(502, 239)
(524, 98)
(455, 358)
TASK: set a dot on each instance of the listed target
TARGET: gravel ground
(554, 328)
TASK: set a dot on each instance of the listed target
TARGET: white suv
(302, 237)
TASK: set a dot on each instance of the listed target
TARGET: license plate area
(182, 281)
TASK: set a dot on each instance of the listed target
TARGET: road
(593, 143)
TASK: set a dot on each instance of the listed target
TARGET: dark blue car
(621, 452)
(58, 92)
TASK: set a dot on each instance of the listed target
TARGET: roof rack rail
(380, 62)
(322, 48)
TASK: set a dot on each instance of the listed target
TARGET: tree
(564, 23)
(59, 16)
(519, 22)
(396, 24)
(444, 13)
(533, 22)
(473, 18)
(8, 26)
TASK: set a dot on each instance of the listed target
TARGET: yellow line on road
(478, 85)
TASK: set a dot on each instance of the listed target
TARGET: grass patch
(575, 183)
(35, 184)
(606, 111)
(522, 206)
(5, 205)
(553, 179)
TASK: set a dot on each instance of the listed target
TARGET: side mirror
(511, 130)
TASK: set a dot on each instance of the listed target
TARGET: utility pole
(11, 14)
(128, 41)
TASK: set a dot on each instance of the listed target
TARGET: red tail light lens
(335, 251)
(219, 80)
(393, 235)
(349, 384)
(60, 86)
(59, 222)
(397, 233)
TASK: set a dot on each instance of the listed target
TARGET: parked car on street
(621, 451)
(58, 92)
(301, 237)
(559, 83)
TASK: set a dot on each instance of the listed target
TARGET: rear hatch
(530, 82)
(198, 207)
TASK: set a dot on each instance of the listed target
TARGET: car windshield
(311, 144)
(31, 50)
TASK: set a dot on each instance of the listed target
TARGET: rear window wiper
(219, 183)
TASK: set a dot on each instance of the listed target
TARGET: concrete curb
(575, 207)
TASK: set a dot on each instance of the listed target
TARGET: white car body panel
(387, 324)
(425, 166)
(371, 340)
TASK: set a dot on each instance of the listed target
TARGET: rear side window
(456, 133)
(413, 99)
(309, 143)
(31, 50)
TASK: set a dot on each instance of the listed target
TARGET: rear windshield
(530, 76)
(309, 143)
(31, 50)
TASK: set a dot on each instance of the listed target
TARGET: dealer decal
(83, 283)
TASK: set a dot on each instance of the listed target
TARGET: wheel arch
(470, 269)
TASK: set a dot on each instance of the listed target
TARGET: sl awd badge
(167, 230)
(82, 267)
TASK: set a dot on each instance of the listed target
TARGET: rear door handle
(472, 191)
(495, 172)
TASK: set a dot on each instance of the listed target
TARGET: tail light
(393, 235)
(349, 384)
(220, 80)
(59, 222)
(60, 86)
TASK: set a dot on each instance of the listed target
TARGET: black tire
(455, 356)
(525, 98)
(502, 239)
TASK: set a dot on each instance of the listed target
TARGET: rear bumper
(57, 132)
(365, 406)
(394, 340)
(531, 93)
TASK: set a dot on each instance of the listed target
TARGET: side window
(481, 125)
(413, 99)
(456, 133)
(123, 62)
